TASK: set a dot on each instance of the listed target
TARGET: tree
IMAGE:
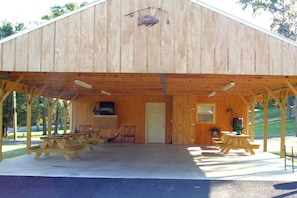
(8, 28)
(40, 105)
(284, 14)
(284, 22)
(57, 10)
(8, 109)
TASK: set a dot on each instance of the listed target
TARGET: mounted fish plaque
(148, 19)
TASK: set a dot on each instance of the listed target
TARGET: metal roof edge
(245, 22)
(50, 21)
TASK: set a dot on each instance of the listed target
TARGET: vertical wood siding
(127, 45)
(73, 44)
(8, 55)
(101, 38)
(61, 39)
(48, 48)
(21, 53)
(34, 49)
(86, 41)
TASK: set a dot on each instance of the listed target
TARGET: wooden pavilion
(168, 79)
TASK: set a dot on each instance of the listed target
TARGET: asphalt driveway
(56, 187)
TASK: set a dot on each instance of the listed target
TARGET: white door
(155, 122)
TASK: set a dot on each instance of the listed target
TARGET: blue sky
(32, 10)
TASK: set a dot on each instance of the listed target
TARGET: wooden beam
(256, 99)
(61, 94)
(39, 93)
(17, 82)
(291, 87)
(273, 96)
(244, 100)
(75, 96)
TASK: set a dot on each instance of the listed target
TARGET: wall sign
(147, 17)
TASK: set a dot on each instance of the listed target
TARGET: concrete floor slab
(162, 161)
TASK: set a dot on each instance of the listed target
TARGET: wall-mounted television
(106, 108)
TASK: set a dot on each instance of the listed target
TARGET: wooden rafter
(292, 88)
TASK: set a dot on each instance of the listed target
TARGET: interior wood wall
(181, 125)
(100, 38)
(223, 117)
(130, 111)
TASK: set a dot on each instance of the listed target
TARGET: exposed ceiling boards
(147, 84)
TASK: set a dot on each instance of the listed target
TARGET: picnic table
(67, 144)
(62, 144)
(87, 138)
(230, 140)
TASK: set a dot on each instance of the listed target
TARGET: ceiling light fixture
(228, 86)
(106, 93)
(83, 84)
(212, 94)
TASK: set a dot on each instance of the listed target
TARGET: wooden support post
(49, 114)
(283, 101)
(247, 115)
(29, 117)
(15, 118)
(71, 117)
(252, 129)
(265, 134)
(1, 117)
(65, 115)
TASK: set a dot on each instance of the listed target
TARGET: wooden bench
(217, 141)
(230, 141)
(34, 148)
(254, 145)
(68, 149)
(76, 147)
(89, 144)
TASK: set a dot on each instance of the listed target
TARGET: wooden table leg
(44, 145)
(70, 143)
(227, 150)
(61, 146)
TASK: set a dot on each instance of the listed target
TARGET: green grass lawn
(274, 127)
(273, 112)
(17, 149)
(10, 151)
(274, 123)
